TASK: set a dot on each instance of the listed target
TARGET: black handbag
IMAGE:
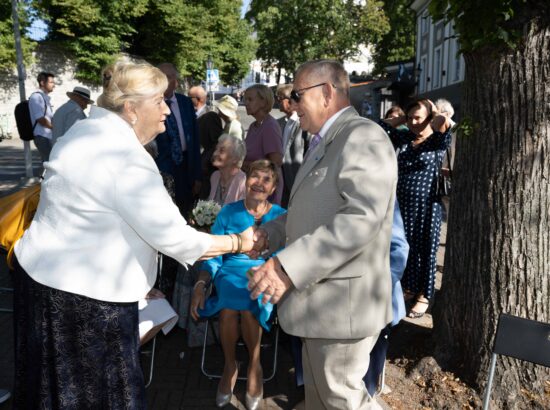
(443, 181)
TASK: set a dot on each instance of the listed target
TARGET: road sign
(213, 79)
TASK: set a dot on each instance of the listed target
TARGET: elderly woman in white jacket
(89, 254)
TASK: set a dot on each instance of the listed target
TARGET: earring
(133, 121)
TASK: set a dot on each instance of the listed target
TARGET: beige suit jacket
(337, 234)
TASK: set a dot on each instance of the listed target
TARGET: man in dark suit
(178, 146)
(294, 140)
(210, 129)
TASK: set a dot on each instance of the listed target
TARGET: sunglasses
(296, 95)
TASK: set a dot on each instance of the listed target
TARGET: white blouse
(103, 214)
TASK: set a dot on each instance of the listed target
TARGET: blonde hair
(129, 81)
(265, 94)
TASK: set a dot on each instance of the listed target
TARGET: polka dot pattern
(421, 208)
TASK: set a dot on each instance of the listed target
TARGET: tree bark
(498, 239)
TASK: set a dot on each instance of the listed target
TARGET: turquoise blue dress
(229, 271)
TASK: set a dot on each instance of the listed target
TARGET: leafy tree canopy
(488, 23)
(293, 31)
(184, 32)
(95, 31)
(193, 31)
(398, 43)
(7, 43)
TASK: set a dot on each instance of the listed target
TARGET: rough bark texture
(498, 239)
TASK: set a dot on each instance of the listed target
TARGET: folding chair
(274, 333)
(151, 352)
(522, 339)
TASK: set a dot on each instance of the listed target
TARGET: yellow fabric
(16, 213)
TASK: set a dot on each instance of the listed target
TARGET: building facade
(439, 66)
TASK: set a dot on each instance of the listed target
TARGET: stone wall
(48, 58)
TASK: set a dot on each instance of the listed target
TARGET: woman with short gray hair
(227, 184)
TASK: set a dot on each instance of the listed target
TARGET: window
(456, 59)
(422, 74)
(424, 22)
(437, 68)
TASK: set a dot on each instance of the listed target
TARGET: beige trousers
(334, 371)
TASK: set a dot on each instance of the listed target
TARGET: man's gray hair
(444, 107)
(332, 70)
(237, 145)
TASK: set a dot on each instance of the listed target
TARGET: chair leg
(487, 395)
(152, 366)
(242, 378)
(275, 350)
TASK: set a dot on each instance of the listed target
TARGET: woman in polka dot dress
(421, 150)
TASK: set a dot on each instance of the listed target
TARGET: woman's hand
(155, 294)
(247, 238)
(197, 300)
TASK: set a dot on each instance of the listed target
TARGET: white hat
(81, 92)
(227, 105)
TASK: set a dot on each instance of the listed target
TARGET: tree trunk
(498, 240)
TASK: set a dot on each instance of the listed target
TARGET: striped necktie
(312, 144)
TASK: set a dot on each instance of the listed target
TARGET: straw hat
(81, 92)
(227, 105)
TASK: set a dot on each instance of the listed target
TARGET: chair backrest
(523, 339)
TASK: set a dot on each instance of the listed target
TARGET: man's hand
(269, 279)
(260, 244)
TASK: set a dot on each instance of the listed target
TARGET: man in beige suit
(332, 280)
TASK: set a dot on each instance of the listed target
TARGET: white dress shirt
(39, 102)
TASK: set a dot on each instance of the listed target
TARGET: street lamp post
(209, 68)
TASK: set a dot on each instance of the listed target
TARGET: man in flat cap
(70, 112)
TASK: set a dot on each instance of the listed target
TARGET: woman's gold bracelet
(240, 243)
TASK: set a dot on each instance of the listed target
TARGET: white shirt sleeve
(143, 202)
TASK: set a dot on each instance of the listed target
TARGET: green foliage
(95, 31)
(190, 31)
(480, 24)
(7, 41)
(290, 32)
(398, 43)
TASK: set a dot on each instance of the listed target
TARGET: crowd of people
(328, 219)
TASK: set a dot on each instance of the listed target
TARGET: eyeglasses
(282, 97)
(296, 95)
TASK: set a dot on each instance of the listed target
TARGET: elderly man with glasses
(332, 280)
(294, 140)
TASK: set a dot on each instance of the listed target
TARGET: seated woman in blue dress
(230, 280)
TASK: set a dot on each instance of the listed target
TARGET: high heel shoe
(223, 399)
(253, 402)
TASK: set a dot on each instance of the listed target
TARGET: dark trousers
(377, 360)
(183, 186)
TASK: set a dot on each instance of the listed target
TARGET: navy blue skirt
(73, 352)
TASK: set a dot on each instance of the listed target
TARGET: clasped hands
(269, 279)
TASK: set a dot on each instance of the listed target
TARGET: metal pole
(21, 76)
(487, 395)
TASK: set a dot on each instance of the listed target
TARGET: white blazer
(103, 214)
